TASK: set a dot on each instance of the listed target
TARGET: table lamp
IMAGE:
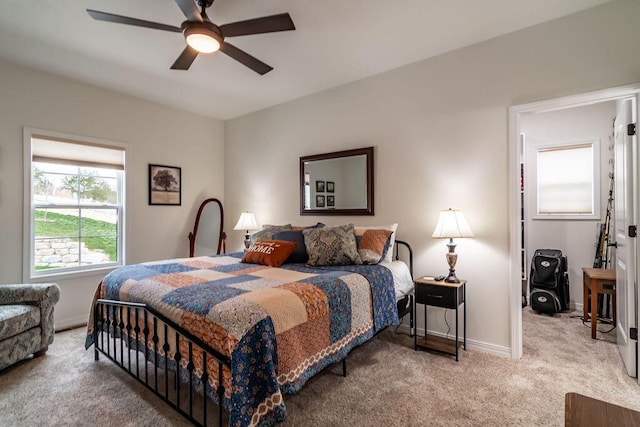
(452, 224)
(246, 222)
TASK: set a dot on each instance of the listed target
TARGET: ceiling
(335, 42)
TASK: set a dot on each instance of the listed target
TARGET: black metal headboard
(407, 248)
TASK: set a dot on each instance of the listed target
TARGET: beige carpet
(388, 384)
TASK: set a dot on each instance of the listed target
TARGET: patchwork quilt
(278, 326)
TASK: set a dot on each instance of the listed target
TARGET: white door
(625, 262)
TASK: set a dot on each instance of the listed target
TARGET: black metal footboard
(176, 366)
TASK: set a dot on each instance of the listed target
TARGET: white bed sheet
(401, 277)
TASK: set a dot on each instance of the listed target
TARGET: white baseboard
(70, 322)
(471, 344)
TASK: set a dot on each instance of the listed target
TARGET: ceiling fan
(203, 36)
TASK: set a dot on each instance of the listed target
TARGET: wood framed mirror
(338, 183)
(208, 236)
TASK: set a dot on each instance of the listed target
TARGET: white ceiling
(335, 42)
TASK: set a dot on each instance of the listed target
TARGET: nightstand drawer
(439, 296)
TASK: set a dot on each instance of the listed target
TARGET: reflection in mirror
(208, 236)
(339, 183)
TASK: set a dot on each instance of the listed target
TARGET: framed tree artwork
(165, 185)
(331, 201)
(319, 186)
(320, 201)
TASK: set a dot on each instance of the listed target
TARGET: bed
(241, 334)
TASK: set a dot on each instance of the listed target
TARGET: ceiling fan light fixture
(203, 36)
(203, 39)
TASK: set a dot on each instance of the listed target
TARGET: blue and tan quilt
(278, 326)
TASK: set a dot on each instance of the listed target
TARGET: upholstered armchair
(26, 320)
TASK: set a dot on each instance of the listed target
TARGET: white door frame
(515, 154)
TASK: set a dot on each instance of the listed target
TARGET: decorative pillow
(359, 231)
(304, 227)
(269, 252)
(331, 246)
(267, 232)
(299, 255)
(373, 245)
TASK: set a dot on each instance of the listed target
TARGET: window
(307, 191)
(567, 181)
(74, 191)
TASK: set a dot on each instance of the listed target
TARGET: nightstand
(430, 292)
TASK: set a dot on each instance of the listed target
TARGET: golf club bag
(549, 281)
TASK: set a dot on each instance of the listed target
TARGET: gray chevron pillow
(268, 231)
(331, 246)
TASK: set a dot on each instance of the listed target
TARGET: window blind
(57, 150)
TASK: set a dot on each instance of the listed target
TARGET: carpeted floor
(388, 384)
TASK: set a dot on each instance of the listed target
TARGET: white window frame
(536, 147)
(29, 271)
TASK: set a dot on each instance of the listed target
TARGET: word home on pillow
(269, 252)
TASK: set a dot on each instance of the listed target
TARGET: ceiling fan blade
(245, 59)
(266, 24)
(190, 10)
(185, 59)
(118, 19)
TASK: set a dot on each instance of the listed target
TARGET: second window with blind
(75, 203)
(567, 180)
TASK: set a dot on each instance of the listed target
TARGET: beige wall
(154, 134)
(439, 128)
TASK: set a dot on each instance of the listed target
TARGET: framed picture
(165, 185)
(330, 188)
(320, 201)
(319, 186)
(331, 200)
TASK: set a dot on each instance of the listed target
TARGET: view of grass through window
(75, 217)
(96, 234)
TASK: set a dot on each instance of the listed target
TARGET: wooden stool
(598, 281)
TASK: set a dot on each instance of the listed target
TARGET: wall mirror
(208, 236)
(339, 183)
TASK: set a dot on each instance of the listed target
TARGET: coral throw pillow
(269, 252)
(359, 231)
(373, 245)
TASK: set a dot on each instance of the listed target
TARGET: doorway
(516, 114)
(567, 162)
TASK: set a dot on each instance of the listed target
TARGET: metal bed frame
(117, 333)
(116, 336)
(408, 309)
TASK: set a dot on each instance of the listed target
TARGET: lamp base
(451, 278)
(247, 240)
(452, 257)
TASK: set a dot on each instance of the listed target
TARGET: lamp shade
(452, 224)
(247, 221)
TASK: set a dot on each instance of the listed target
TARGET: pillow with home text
(268, 252)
